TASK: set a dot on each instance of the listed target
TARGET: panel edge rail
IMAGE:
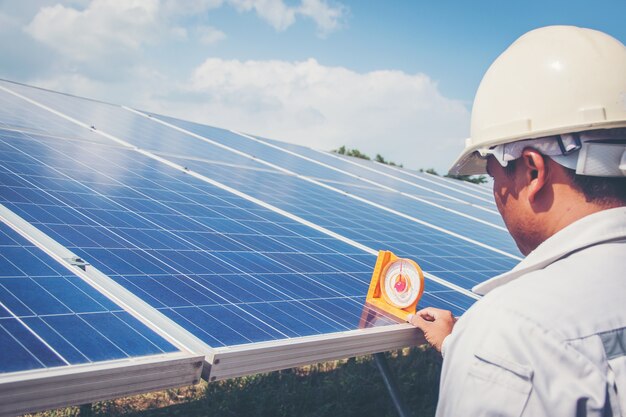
(32, 391)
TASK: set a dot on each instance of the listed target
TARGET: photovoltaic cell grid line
(497, 239)
(424, 214)
(493, 237)
(228, 273)
(50, 318)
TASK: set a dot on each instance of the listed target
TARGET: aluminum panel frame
(31, 391)
(235, 361)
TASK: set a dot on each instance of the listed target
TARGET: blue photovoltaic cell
(495, 237)
(50, 317)
(427, 188)
(472, 193)
(202, 256)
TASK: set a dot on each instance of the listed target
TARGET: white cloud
(275, 12)
(190, 7)
(109, 30)
(209, 35)
(104, 27)
(327, 18)
(402, 116)
(106, 31)
(178, 32)
(280, 16)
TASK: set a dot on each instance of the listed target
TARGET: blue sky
(389, 77)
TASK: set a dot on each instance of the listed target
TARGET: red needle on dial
(401, 282)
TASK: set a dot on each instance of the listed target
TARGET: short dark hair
(599, 190)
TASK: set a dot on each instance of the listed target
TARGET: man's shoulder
(571, 294)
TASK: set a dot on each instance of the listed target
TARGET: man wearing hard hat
(548, 337)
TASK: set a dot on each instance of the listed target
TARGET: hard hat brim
(469, 163)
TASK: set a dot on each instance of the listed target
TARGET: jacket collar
(604, 226)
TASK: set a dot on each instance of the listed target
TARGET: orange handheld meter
(397, 285)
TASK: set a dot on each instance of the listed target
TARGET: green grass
(352, 387)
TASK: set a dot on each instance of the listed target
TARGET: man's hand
(435, 323)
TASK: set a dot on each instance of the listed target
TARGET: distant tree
(357, 154)
(476, 179)
(350, 152)
(430, 171)
(342, 150)
(480, 179)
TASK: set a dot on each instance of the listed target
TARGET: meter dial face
(401, 283)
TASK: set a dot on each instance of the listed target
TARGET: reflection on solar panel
(167, 238)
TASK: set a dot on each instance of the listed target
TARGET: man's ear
(536, 172)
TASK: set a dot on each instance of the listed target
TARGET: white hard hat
(551, 81)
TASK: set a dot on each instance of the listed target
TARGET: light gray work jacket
(549, 337)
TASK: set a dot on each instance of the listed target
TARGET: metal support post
(85, 410)
(390, 383)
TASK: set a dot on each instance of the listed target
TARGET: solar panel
(129, 223)
(255, 254)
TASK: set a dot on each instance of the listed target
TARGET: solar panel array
(127, 234)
